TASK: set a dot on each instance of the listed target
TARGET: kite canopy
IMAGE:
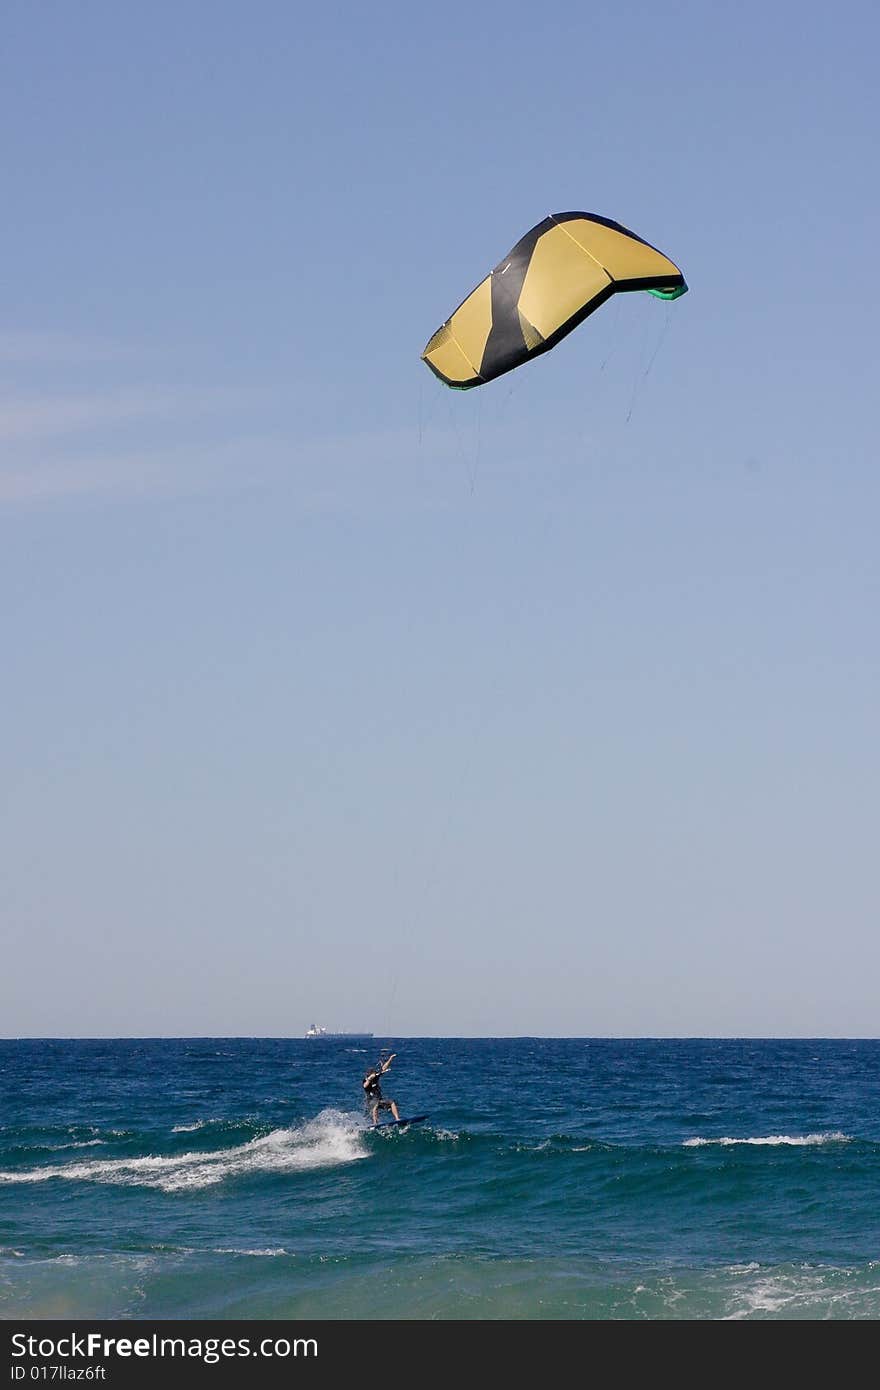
(555, 276)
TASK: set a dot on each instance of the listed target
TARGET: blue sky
(329, 694)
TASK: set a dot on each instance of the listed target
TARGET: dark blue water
(215, 1178)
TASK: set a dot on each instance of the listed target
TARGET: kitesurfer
(373, 1090)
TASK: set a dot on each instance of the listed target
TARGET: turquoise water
(559, 1179)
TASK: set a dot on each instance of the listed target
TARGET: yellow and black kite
(555, 276)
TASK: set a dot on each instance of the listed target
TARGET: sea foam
(331, 1138)
(798, 1140)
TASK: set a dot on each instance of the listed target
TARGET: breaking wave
(796, 1140)
(330, 1139)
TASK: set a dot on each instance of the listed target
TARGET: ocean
(217, 1178)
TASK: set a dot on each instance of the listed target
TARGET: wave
(367, 1286)
(332, 1138)
(796, 1140)
(237, 1250)
(196, 1125)
(805, 1291)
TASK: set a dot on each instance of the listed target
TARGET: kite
(556, 276)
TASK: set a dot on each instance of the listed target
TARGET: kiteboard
(407, 1120)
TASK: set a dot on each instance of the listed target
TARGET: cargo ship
(316, 1031)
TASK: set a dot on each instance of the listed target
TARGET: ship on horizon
(316, 1031)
